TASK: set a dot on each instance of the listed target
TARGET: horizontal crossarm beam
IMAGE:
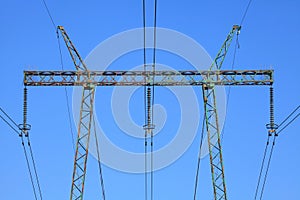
(137, 78)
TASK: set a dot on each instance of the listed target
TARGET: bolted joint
(149, 128)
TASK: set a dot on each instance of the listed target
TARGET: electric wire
(29, 168)
(268, 167)
(62, 67)
(24, 130)
(199, 158)
(9, 124)
(49, 14)
(24, 149)
(99, 161)
(289, 116)
(272, 132)
(145, 104)
(9, 117)
(34, 167)
(236, 46)
(153, 94)
(262, 167)
(234, 58)
(246, 11)
(66, 92)
(272, 148)
(289, 123)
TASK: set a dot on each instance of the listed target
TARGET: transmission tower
(89, 80)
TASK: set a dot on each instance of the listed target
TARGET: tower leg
(82, 144)
(214, 142)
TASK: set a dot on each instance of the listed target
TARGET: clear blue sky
(269, 39)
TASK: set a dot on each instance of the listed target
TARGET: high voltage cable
(148, 102)
(24, 130)
(99, 161)
(9, 117)
(62, 66)
(25, 153)
(34, 166)
(145, 106)
(49, 14)
(7, 122)
(246, 11)
(199, 158)
(268, 166)
(153, 93)
(272, 149)
(271, 153)
(28, 167)
(66, 92)
(262, 167)
(229, 89)
(289, 116)
(289, 123)
(234, 56)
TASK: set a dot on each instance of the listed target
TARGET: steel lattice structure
(207, 79)
(88, 80)
(137, 78)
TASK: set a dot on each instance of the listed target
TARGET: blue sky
(269, 39)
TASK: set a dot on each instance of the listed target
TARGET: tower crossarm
(136, 78)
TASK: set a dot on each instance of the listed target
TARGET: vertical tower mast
(212, 123)
(85, 123)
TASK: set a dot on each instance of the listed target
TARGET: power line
(273, 144)
(49, 14)
(289, 123)
(20, 133)
(99, 161)
(246, 11)
(15, 130)
(145, 104)
(262, 167)
(66, 92)
(268, 166)
(153, 94)
(62, 67)
(29, 168)
(34, 166)
(199, 159)
(229, 88)
(289, 116)
(8, 117)
(272, 131)
(25, 128)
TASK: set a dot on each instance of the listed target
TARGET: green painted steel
(212, 122)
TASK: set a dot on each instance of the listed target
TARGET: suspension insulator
(25, 107)
(272, 126)
(272, 107)
(25, 127)
(149, 105)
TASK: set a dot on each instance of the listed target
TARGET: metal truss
(214, 142)
(211, 119)
(82, 145)
(137, 78)
(76, 58)
(218, 61)
(207, 79)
